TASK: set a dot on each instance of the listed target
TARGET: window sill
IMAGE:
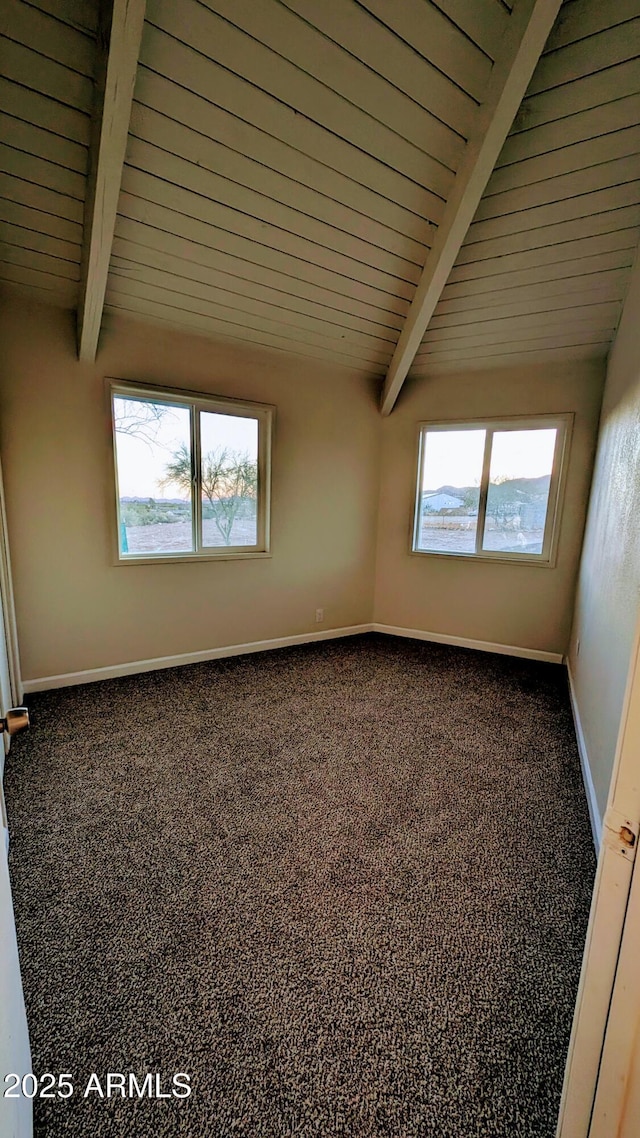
(500, 559)
(186, 558)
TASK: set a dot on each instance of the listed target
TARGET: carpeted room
(330, 881)
(327, 706)
(319, 880)
(79, 613)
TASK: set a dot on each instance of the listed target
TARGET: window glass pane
(153, 455)
(448, 503)
(520, 476)
(229, 445)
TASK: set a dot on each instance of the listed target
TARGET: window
(491, 489)
(192, 475)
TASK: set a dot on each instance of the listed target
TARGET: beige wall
(521, 605)
(339, 471)
(75, 609)
(609, 582)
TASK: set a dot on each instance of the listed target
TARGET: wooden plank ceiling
(47, 66)
(545, 265)
(289, 162)
(287, 165)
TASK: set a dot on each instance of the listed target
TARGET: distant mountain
(158, 501)
(455, 491)
(532, 487)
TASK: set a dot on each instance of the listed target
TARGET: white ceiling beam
(525, 37)
(119, 38)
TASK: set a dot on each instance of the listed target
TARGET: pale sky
(454, 458)
(142, 461)
(523, 454)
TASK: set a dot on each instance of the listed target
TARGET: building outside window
(491, 489)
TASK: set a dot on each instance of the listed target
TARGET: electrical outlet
(319, 616)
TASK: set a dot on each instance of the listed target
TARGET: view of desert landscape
(458, 535)
(176, 536)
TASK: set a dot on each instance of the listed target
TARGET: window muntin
(490, 489)
(192, 475)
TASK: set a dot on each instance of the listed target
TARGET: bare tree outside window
(229, 482)
(504, 501)
(138, 419)
(187, 474)
(146, 432)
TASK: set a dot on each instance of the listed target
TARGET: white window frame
(563, 423)
(197, 401)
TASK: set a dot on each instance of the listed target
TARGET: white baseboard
(589, 789)
(464, 642)
(132, 667)
(112, 671)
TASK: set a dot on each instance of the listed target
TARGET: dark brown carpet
(344, 886)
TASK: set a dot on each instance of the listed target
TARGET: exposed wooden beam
(525, 37)
(119, 38)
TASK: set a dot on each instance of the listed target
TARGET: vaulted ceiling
(343, 180)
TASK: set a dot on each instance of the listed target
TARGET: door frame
(16, 1114)
(592, 1091)
(8, 604)
(616, 1109)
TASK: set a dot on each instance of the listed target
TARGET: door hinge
(620, 834)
